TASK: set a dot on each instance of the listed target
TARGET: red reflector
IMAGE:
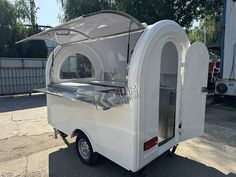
(149, 144)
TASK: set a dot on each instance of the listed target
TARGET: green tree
(150, 11)
(195, 34)
(76, 8)
(7, 26)
(12, 29)
(31, 49)
(210, 22)
(213, 8)
(26, 10)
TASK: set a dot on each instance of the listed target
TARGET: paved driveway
(27, 147)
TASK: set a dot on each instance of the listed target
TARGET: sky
(48, 12)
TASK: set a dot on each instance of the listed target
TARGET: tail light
(149, 144)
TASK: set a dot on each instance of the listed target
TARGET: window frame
(58, 58)
(77, 79)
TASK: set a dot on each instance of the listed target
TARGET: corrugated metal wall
(21, 75)
(230, 41)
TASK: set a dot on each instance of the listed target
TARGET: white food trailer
(128, 91)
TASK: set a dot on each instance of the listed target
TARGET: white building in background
(227, 85)
(229, 71)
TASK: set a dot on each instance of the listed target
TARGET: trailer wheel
(84, 150)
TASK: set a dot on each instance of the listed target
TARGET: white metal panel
(108, 131)
(229, 71)
(70, 50)
(107, 55)
(113, 53)
(194, 101)
(144, 76)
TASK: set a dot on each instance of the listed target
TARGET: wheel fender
(74, 133)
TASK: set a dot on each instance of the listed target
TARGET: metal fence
(21, 75)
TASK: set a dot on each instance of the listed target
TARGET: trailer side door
(194, 98)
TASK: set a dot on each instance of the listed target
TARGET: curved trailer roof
(96, 25)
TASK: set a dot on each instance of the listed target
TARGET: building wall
(21, 75)
(229, 71)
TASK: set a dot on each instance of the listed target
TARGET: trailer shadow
(14, 103)
(65, 162)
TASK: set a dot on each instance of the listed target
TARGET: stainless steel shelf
(101, 96)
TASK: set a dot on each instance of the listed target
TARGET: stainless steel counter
(118, 84)
(101, 96)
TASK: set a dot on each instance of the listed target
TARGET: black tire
(84, 150)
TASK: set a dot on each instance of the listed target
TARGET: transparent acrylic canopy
(88, 27)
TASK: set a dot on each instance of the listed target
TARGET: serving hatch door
(89, 27)
(194, 97)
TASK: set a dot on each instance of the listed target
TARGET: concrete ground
(27, 147)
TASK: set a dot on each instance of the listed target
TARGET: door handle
(204, 90)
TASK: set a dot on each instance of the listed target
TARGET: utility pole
(32, 13)
(205, 35)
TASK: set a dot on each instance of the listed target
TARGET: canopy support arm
(128, 47)
(56, 34)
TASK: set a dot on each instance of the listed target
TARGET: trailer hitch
(63, 136)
